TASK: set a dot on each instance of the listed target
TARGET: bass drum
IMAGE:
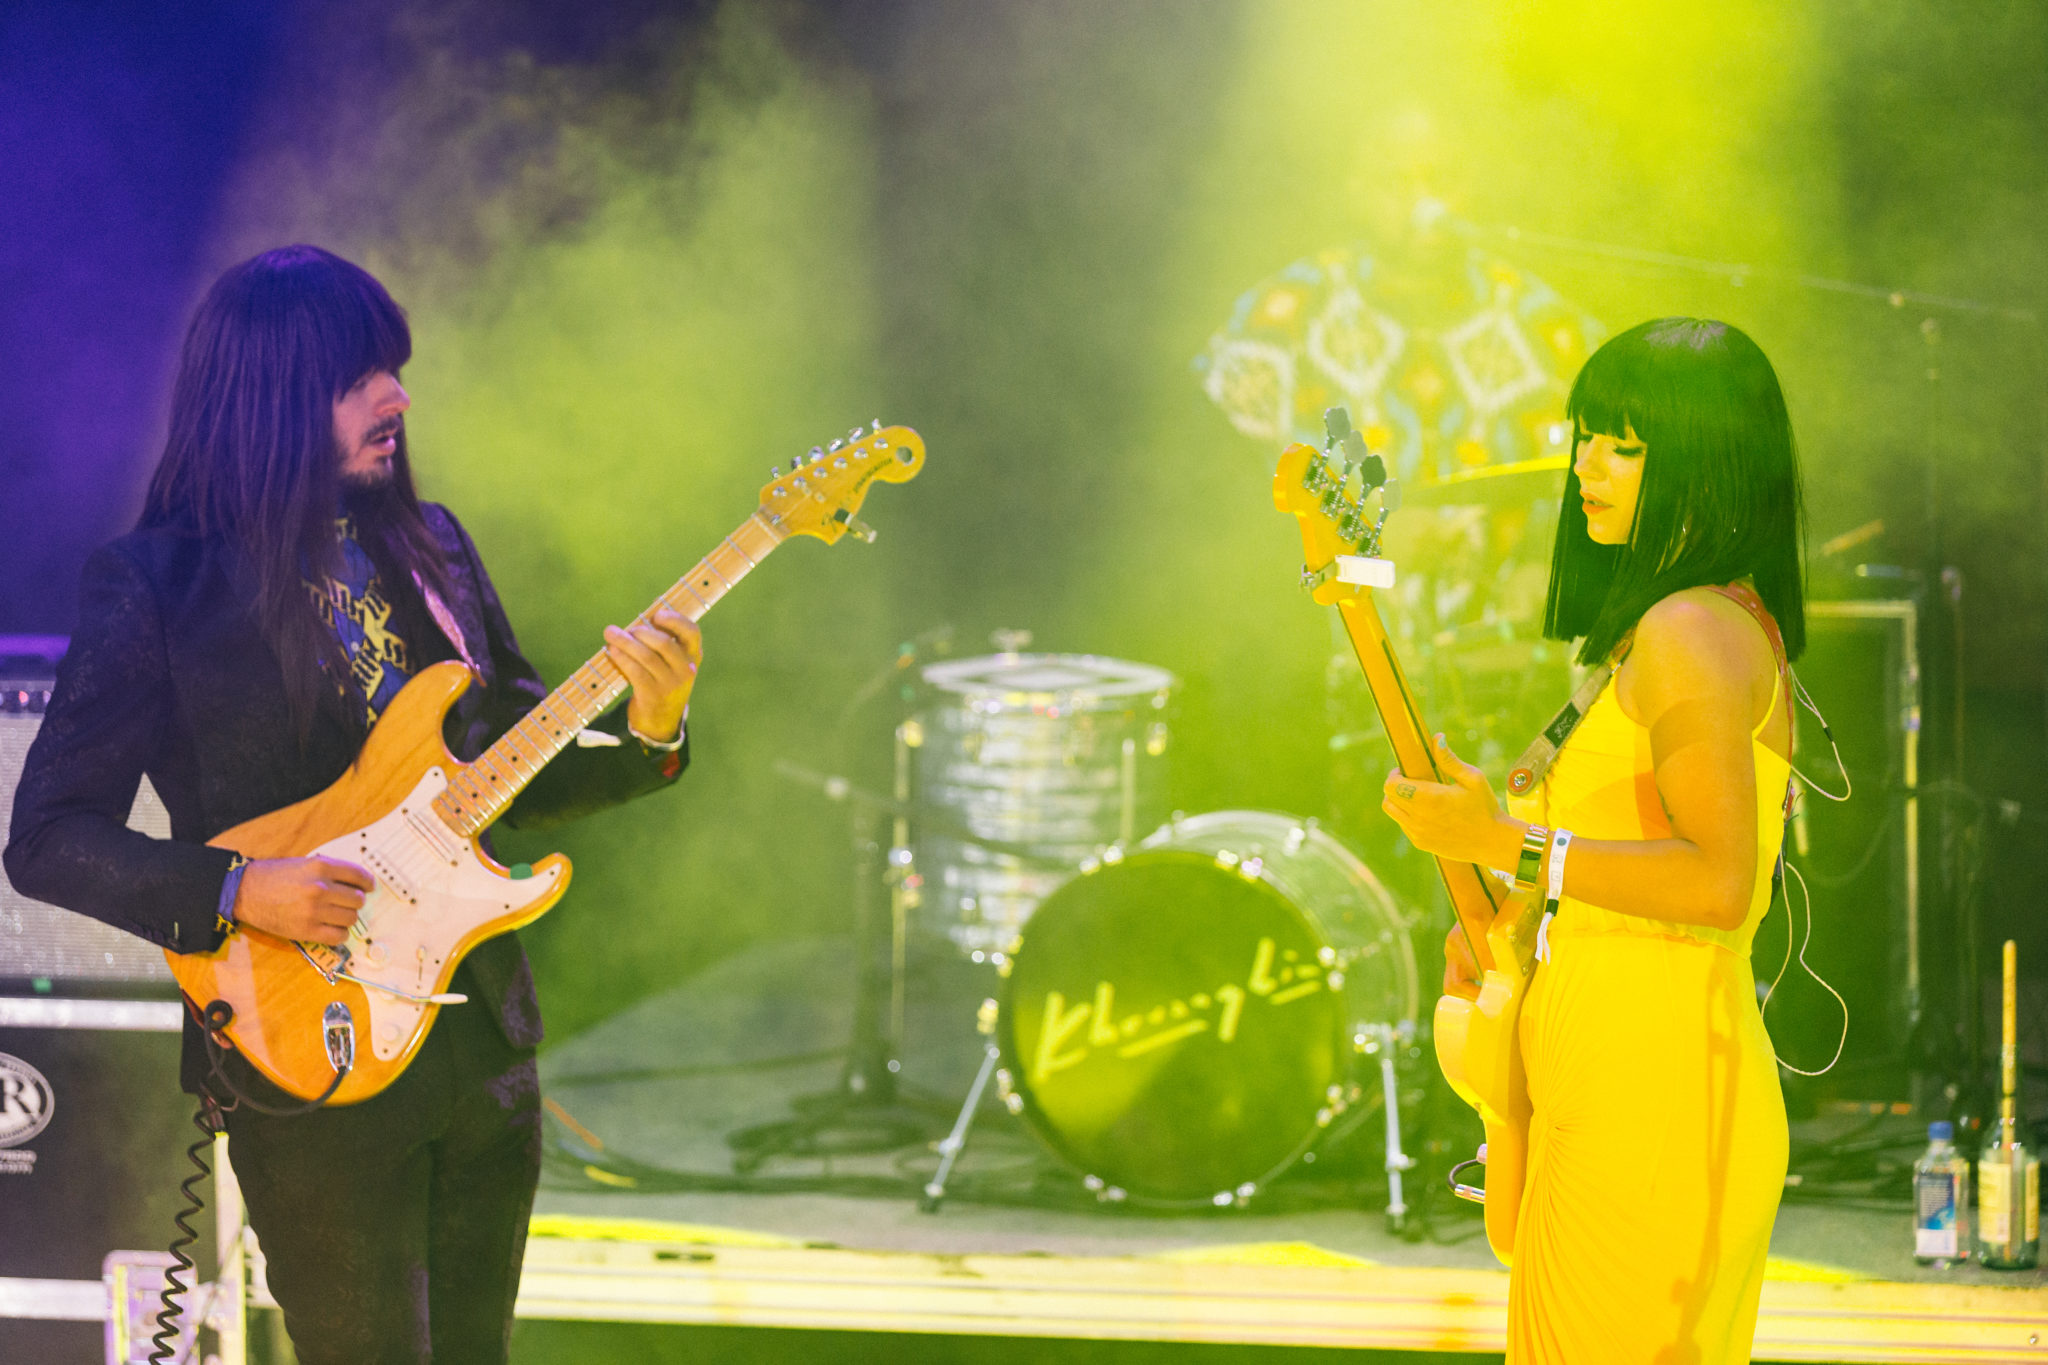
(1180, 1023)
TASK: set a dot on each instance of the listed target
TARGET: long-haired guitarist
(1658, 1143)
(283, 584)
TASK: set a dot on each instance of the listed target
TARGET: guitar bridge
(331, 962)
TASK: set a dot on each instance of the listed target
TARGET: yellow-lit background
(642, 273)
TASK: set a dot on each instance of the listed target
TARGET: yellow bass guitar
(1333, 497)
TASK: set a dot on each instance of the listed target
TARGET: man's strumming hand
(314, 900)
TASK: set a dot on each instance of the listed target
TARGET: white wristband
(1559, 842)
(661, 746)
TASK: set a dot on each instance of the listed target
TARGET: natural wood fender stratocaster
(344, 1022)
(1475, 1039)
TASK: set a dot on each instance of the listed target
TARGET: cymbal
(1489, 484)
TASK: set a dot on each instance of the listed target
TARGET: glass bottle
(2008, 1172)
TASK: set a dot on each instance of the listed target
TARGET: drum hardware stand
(956, 1141)
(1384, 1040)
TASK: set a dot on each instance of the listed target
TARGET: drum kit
(1179, 1009)
(1185, 1009)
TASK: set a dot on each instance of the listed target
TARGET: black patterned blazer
(168, 675)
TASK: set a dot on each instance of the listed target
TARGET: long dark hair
(251, 458)
(1720, 496)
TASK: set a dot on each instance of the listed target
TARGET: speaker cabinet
(40, 943)
(1859, 860)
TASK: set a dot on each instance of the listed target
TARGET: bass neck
(1476, 896)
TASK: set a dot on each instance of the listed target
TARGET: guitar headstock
(1341, 496)
(825, 487)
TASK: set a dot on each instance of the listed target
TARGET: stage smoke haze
(650, 250)
(635, 281)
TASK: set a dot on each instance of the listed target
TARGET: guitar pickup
(1361, 570)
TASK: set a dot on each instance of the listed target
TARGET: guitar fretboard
(480, 793)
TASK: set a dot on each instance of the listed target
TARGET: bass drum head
(1171, 1027)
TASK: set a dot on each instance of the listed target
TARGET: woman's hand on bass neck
(1460, 820)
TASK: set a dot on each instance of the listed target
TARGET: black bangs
(379, 338)
(1606, 396)
(1720, 496)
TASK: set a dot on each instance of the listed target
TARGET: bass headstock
(825, 487)
(1341, 496)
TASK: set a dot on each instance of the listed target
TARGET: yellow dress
(1658, 1146)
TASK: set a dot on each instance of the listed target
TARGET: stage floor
(642, 1219)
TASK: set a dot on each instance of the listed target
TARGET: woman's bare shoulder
(1697, 640)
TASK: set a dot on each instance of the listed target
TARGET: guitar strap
(1542, 751)
(445, 619)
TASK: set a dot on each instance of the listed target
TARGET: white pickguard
(432, 889)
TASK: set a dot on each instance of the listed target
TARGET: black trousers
(394, 1228)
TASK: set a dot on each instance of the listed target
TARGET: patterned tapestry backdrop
(1451, 358)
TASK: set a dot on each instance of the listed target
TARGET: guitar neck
(1475, 897)
(480, 793)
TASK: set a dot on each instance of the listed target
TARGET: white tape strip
(1369, 573)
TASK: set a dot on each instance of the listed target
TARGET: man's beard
(367, 497)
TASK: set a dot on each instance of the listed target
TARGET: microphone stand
(864, 1113)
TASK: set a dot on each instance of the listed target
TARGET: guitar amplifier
(93, 1127)
(1859, 858)
(41, 945)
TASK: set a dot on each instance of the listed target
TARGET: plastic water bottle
(1941, 1200)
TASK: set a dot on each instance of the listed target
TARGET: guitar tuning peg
(877, 426)
(835, 445)
(817, 453)
(1336, 424)
(853, 436)
(775, 471)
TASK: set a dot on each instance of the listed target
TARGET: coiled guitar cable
(208, 1119)
(211, 1120)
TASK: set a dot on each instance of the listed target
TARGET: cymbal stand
(956, 1141)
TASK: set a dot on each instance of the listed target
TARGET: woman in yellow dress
(1658, 1143)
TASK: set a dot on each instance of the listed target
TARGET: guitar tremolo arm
(340, 973)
